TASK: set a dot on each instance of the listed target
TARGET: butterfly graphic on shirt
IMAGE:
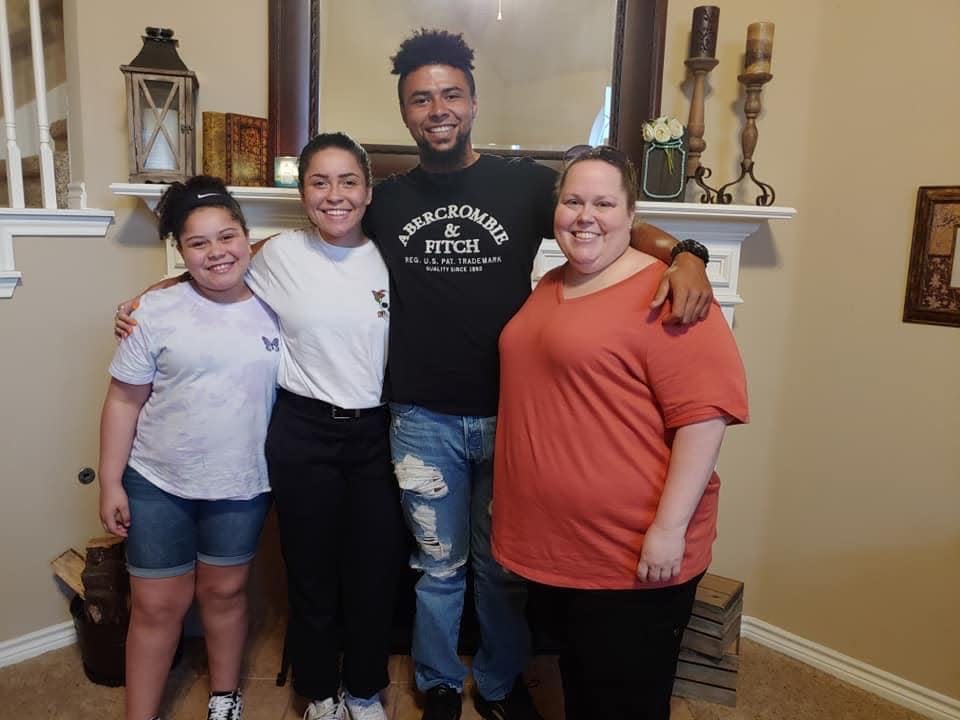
(380, 297)
(271, 344)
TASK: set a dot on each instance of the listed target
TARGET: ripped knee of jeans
(444, 571)
(415, 476)
(436, 556)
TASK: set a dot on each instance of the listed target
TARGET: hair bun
(182, 198)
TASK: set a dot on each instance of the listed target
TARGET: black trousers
(343, 542)
(618, 648)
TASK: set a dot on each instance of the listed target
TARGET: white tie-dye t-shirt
(213, 367)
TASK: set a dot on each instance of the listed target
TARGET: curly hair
(179, 200)
(433, 47)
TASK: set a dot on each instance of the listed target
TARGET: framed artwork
(933, 280)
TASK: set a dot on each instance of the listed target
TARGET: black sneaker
(517, 705)
(443, 703)
(225, 707)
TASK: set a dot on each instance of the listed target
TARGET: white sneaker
(365, 709)
(329, 709)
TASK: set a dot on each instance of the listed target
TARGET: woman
(338, 505)
(327, 448)
(182, 470)
(609, 427)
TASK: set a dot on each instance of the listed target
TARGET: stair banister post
(48, 182)
(14, 168)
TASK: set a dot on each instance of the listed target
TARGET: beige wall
(840, 500)
(841, 503)
(55, 331)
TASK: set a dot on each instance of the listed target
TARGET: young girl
(182, 470)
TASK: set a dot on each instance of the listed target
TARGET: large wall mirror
(549, 74)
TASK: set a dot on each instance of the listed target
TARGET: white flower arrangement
(662, 130)
(666, 133)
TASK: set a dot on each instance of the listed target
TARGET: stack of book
(710, 651)
(235, 148)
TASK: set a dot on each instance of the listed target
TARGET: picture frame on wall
(933, 278)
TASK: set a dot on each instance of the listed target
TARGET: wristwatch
(691, 246)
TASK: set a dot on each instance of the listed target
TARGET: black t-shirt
(460, 248)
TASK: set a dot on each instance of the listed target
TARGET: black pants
(342, 539)
(618, 648)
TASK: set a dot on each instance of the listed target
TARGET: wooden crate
(715, 623)
(710, 654)
(704, 678)
(716, 595)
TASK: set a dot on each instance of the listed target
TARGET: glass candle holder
(285, 171)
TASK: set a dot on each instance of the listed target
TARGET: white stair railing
(14, 168)
(17, 221)
(48, 183)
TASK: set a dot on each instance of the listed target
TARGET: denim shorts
(168, 534)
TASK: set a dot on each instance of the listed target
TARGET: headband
(193, 199)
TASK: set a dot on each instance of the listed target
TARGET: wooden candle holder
(699, 66)
(753, 83)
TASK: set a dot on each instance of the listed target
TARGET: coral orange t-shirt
(592, 390)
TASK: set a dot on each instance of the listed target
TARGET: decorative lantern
(161, 110)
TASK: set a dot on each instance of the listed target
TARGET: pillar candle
(759, 48)
(703, 33)
(161, 155)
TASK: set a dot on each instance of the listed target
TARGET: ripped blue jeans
(444, 464)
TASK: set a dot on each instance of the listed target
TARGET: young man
(459, 234)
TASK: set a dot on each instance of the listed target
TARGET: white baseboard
(878, 682)
(37, 643)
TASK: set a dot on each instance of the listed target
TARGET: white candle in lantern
(161, 156)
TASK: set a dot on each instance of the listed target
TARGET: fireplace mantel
(722, 228)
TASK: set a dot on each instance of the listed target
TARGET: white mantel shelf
(722, 228)
(40, 222)
(713, 213)
(151, 192)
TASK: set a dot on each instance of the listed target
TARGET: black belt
(332, 411)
